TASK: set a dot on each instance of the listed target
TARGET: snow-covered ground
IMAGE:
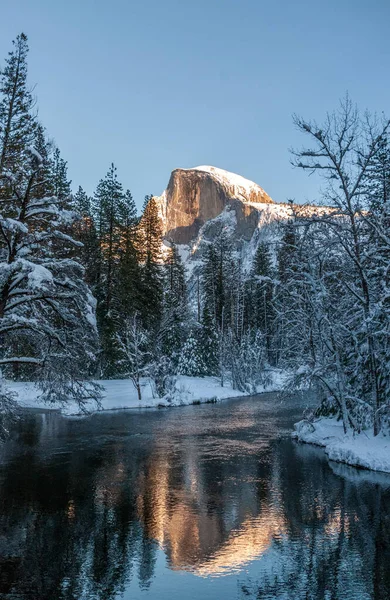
(120, 394)
(359, 450)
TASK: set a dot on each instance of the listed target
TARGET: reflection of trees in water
(338, 543)
(80, 521)
(70, 526)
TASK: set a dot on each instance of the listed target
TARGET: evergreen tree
(149, 244)
(288, 298)
(17, 124)
(191, 358)
(61, 184)
(260, 295)
(46, 310)
(44, 180)
(84, 230)
(175, 284)
(287, 252)
(174, 321)
(209, 344)
(82, 203)
(109, 207)
(147, 198)
(211, 290)
(128, 294)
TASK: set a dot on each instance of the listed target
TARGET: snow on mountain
(195, 196)
(201, 202)
(235, 184)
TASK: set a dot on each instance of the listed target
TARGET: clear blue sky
(153, 85)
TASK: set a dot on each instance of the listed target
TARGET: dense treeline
(314, 302)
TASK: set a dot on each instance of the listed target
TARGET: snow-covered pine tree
(209, 275)
(218, 279)
(175, 283)
(47, 321)
(287, 294)
(209, 344)
(191, 361)
(175, 313)
(260, 289)
(235, 288)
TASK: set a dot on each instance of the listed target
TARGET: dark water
(208, 502)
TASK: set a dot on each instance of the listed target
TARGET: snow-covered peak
(195, 196)
(242, 187)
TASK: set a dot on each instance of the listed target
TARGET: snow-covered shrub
(162, 377)
(191, 361)
(178, 394)
(304, 426)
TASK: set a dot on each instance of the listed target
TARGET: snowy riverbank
(360, 450)
(120, 394)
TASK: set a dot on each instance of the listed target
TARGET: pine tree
(61, 184)
(287, 251)
(175, 284)
(260, 291)
(175, 313)
(287, 300)
(84, 230)
(44, 180)
(209, 344)
(46, 311)
(149, 251)
(191, 358)
(210, 272)
(128, 294)
(218, 279)
(17, 124)
(82, 203)
(109, 207)
(147, 198)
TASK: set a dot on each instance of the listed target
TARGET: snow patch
(120, 394)
(362, 450)
(38, 276)
(242, 187)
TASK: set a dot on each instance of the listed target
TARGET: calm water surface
(202, 502)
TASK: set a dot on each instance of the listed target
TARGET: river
(209, 502)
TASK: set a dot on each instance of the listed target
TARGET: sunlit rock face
(195, 196)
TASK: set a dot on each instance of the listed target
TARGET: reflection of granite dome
(194, 196)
